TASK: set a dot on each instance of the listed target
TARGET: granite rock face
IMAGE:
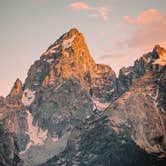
(104, 87)
(71, 111)
(8, 150)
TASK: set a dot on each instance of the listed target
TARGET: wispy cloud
(79, 6)
(151, 25)
(101, 11)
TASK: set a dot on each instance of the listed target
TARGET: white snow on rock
(55, 139)
(126, 73)
(52, 50)
(112, 90)
(100, 106)
(37, 135)
(28, 97)
(68, 42)
(50, 60)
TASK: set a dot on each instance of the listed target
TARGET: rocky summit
(71, 111)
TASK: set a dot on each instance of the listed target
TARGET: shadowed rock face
(104, 86)
(139, 110)
(79, 113)
(96, 143)
(8, 151)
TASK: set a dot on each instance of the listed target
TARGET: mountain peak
(17, 88)
(66, 41)
(160, 55)
(68, 56)
(74, 31)
(159, 50)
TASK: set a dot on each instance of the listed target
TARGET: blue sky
(117, 31)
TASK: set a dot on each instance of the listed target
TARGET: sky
(116, 31)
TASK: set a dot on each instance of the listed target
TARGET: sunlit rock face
(17, 88)
(71, 111)
(67, 57)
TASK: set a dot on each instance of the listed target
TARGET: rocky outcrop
(152, 61)
(104, 87)
(138, 110)
(17, 89)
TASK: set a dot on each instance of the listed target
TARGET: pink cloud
(151, 28)
(146, 17)
(79, 6)
(102, 34)
(101, 11)
(94, 15)
(128, 19)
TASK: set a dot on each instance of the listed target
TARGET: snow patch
(28, 97)
(55, 139)
(27, 147)
(112, 90)
(126, 73)
(68, 42)
(52, 50)
(116, 129)
(55, 47)
(50, 60)
(37, 135)
(100, 106)
(88, 116)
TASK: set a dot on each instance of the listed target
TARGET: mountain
(71, 111)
